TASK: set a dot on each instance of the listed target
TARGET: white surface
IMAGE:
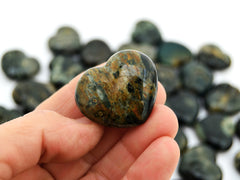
(27, 25)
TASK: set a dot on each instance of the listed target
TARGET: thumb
(44, 136)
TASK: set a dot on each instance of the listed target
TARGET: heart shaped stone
(121, 93)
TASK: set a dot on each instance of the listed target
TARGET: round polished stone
(198, 163)
(173, 54)
(121, 93)
(216, 130)
(169, 77)
(237, 161)
(148, 49)
(64, 69)
(181, 140)
(185, 106)
(30, 94)
(7, 115)
(197, 77)
(95, 52)
(66, 41)
(237, 128)
(16, 65)
(146, 32)
(213, 57)
(223, 98)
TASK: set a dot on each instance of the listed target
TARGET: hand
(56, 141)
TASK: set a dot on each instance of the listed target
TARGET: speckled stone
(148, 49)
(216, 130)
(16, 65)
(169, 77)
(223, 98)
(121, 93)
(197, 77)
(181, 140)
(95, 52)
(173, 54)
(198, 163)
(237, 128)
(30, 94)
(63, 69)
(7, 115)
(185, 106)
(213, 57)
(146, 32)
(237, 161)
(66, 41)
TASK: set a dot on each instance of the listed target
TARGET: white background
(27, 25)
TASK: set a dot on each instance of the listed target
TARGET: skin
(56, 141)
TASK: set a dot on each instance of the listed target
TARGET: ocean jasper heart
(121, 93)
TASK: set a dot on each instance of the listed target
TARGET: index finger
(63, 101)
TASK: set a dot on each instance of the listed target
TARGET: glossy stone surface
(146, 32)
(173, 54)
(7, 115)
(63, 69)
(216, 130)
(213, 57)
(148, 49)
(197, 77)
(237, 128)
(237, 161)
(95, 52)
(30, 94)
(185, 106)
(66, 41)
(181, 140)
(223, 98)
(198, 163)
(169, 77)
(121, 93)
(16, 65)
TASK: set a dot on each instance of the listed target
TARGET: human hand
(56, 141)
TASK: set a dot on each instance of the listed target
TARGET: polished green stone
(148, 49)
(7, 115)
(64, 69)
(181, 140)
(146, 32)
(30, 94)
(169, 78)
(237, 161)
(197, 77)
(185, 105)
(173, 54)
(121, 93)
(95, 52)
(198, 163)
(16, 65)
(216, 130)
(66, 41)
(223, 98)
(237, 128)
(213, 57)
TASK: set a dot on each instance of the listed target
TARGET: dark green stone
(148, 49)
(7, 115)
(16, 65)
(237, 128)
(121, 93)
(30, 94)
(66, 41)
(169, 77)
(198, 163)
(213, 57)
(95, 52)
(181, 140)
(185, 106)
(197, 77)
(173, 54)
(146, 32)
(216, 130)
(223, 98)
(237, 161)
(63, 69)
